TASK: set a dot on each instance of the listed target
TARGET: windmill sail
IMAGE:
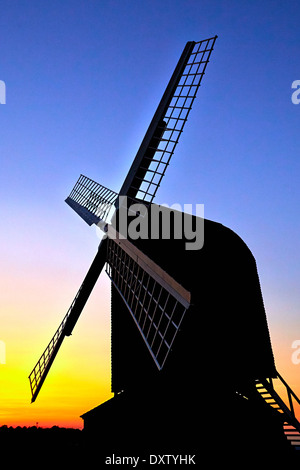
(42, 367)
(91, 200)
(166, 127)
(156, 301)
(93, 203)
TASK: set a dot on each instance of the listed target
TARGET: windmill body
(216, 334)
(222, 346)
(191, 347)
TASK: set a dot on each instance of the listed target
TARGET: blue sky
(83, 79)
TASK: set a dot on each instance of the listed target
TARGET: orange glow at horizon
(79, 379)
(80, 376)
(35, 295)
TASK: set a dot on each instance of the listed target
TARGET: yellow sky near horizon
(79, 378)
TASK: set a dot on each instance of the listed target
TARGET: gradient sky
(83, 79)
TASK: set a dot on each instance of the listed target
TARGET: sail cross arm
(148, 265)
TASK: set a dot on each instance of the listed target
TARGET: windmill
(178, 299)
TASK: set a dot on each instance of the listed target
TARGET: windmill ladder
(291, 425)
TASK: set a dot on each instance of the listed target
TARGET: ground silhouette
(40, 438)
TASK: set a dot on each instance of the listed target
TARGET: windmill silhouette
(195, 349)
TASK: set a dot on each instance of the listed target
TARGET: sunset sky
(83, 79)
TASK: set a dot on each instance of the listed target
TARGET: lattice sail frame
(155, 300)
(37, 373)
(91, 200)
(174, 119)
(42, 367)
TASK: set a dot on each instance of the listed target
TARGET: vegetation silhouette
(42, 438)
